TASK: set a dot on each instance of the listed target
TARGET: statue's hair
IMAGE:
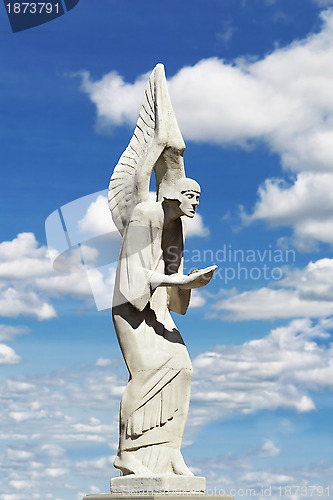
(182, 186)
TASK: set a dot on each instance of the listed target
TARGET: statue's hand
(197, 279)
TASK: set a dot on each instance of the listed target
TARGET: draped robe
(155, 403)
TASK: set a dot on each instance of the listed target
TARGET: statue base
(151, 485)
(171, 496)
(150, 488)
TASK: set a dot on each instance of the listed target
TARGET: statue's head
(187, 193)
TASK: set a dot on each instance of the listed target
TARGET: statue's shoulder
(148, 212)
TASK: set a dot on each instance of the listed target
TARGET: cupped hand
(198, 278)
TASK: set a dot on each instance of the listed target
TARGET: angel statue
(149, 284)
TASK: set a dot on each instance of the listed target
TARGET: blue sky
(251, 83)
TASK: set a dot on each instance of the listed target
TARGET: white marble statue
(150, 284)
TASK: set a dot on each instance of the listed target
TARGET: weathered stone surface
(157, 497)
(149, 284)
(132, 485)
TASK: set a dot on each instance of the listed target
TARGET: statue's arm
(196, 279)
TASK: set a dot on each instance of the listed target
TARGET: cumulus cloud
(103, 362)
(8, 356)
(42, 419)
(314, 282)
(239, 473)
(97, 220)
(117, 102)
(102, 281)
(22, 258)
(16, 302)
(196, 226)
(274, 372)
(269, 449)
(28, 281)
(249, 473)
(97, 467)
(8, 332)
(306, 205)
(81, 407)
(268, 304)
(226, 33)
(304, 292)
(284, 99)
(29, 293)
(197, 299)
(18, 454)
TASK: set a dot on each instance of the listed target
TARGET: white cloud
(277, 371)
(97, 219)
(306, 205)
(196, 227)
(8, 356)
(56, 285)
(22, 258)
(19, 386)
(41, 421)
(284, 99)
(254, 478)
(269, 448)
(116, 101)
(304, 292)
(21, 416)
(314, 282)
(274, 372)
(28, 281)
(55, 471)
(226, 33)
(17, 454)
(101, 281)
(15, 302)
(97, 466)
(8, 332)
(237, 473)
(103, 362)
(53, 450)
(266, 303)
(197, 299)
(21, 485)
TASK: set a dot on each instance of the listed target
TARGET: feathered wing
(156, 144)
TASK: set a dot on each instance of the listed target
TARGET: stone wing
(156, 144)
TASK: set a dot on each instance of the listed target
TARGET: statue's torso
(149, 337)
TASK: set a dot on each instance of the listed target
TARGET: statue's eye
(189, 195)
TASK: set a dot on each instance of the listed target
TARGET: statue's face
(187, 191)
(185, 195)
(189, 200)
